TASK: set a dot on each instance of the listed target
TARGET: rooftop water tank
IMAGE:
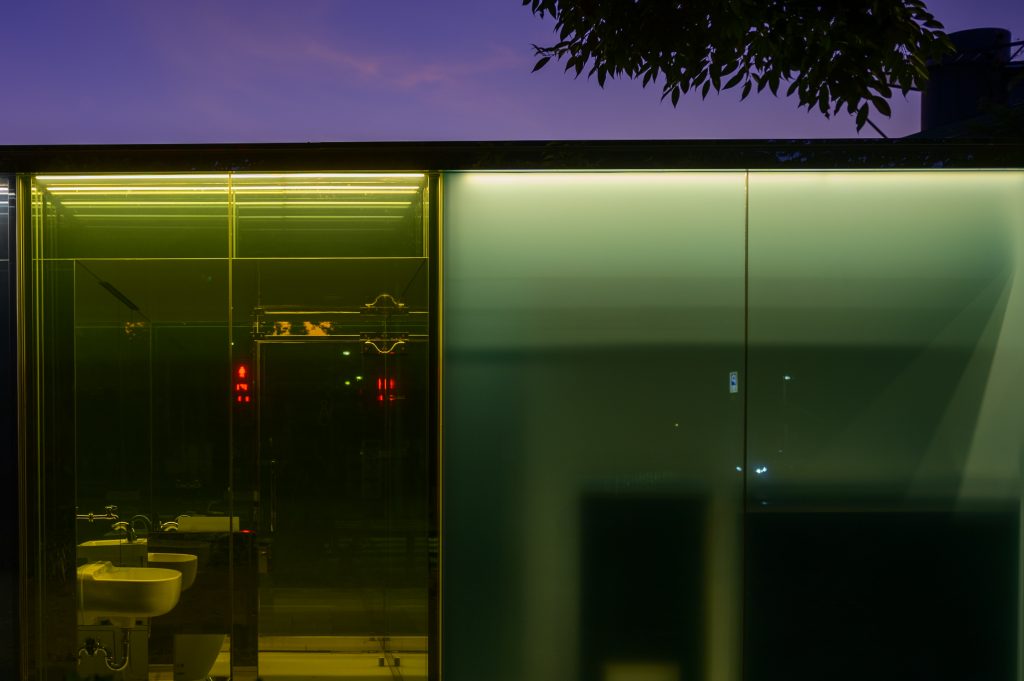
(968, 82)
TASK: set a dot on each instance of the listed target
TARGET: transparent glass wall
(593, 445)
(330, 296)
(886, 357)
(232, 377)
(9, 625)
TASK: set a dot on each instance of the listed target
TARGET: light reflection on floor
(317, 658)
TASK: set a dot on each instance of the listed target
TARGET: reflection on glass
(592, 321)
(250, 431)
(329, 214)
(133, 216)
(885, 325)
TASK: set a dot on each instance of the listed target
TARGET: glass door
(331, 432)
(342, 478)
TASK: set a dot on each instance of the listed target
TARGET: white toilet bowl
(195, 655)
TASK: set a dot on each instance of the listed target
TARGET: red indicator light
(241, 386)
(392, 384)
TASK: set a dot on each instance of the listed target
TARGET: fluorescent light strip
(138, 189)
(286, 204)
(81, 178)
(257, 189)
(245, 204)
(285, 176)
(323, 187)
(144, 216)
(173, 216)
(322, 217)
(235, 176)
(148, 204)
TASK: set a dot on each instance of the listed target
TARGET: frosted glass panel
(592, 445)
(880, 309)
(886, 349)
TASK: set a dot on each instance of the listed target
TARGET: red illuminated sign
(386, 390)
(242, 385)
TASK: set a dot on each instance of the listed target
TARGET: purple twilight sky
(121, 71)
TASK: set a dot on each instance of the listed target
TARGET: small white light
(787, 377)
(676, 425)
(346, 353)
(739, 468)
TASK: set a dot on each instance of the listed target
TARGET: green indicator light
(346, 353)
(348, 382)
(359, 378)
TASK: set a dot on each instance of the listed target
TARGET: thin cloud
(407, 72)
(337, 58)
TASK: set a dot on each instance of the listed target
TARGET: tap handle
(110, 509)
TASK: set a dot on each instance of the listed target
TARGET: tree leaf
(830, 55)
(734, 80)
(862, 116)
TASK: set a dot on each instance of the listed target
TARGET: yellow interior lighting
(286, 176)
(318, 217)
(255, 189)
(147, 176)
(326, 188)
(286, 204)
(163, 189)
(147, 204)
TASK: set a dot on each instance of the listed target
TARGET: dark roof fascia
(550, 155)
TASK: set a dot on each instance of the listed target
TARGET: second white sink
(123, 594)
(184, 563)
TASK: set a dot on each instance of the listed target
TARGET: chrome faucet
(122, 526)
(145, 521)
(111, 514)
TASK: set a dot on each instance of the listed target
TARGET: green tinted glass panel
(132, 216)
(329, 214)
(592, 445)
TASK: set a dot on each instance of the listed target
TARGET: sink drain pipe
(92, 646)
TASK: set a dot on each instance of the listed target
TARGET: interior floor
(314, 658)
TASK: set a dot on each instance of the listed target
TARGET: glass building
(639, 411)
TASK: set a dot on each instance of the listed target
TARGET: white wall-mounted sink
(184, 563)
(123, 594)
(207, 523)
(117, 551)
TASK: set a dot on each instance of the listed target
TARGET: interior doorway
(343, 482)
